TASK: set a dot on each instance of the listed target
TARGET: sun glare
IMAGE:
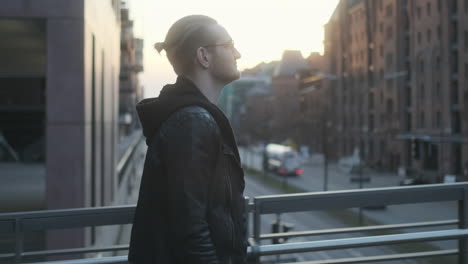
(261, 29)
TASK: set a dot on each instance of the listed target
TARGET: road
(313, 180)
(312, 221)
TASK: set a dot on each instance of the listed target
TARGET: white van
(281, 159)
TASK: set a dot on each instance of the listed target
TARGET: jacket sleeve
(190, 147)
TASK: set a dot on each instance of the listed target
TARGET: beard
(226, 75)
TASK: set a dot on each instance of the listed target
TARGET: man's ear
(203, 57)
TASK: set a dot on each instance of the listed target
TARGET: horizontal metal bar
(62, 212)
(23, 75)
(357, 229)
(103, 260)
(273, 204)
(74, 251)
(438, 253)
(70, 218)
(123, 259)
(360, 242)
(8, 255)
(73, 218)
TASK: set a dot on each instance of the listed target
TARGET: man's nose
(237, 54)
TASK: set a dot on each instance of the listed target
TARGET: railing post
(256, 230)
(463, 224)
(247, 214)
(19, 237)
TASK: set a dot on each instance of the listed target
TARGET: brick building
(398, 71)
(435, 131)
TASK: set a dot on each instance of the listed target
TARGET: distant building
(238, 100)
(285, 86)
(435, 132)
(398, 72)
(314, 113)
(131, 63)
(59, 69)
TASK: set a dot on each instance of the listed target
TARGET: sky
(261, 30)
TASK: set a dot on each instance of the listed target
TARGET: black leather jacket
(190, 207)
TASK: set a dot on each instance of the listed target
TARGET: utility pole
(325, 169)
(360, 181)
(325, 124)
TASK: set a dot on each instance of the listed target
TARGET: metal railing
(126, 164)
(19, 223)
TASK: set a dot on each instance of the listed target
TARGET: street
(312, 180)
(312, 221)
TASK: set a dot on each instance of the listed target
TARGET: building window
(438, 120)
(381, 51)
(439, 32)
(418, 10)
(389, 107)
(438, 91)
(408, 122)
(389, 32)
(421, 120)
(381, 27)
(421, 66)
(466, 6)
(439, 5)
(371, 101)
(389, 60)
(421, 91)
(429, 33)
(419, 37)
(428, 7)
(437, 66)
(454, 6)
(466, 40)
(466, 72)
(389, 10)
(389, 84)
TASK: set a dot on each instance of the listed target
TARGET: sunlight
(261, 29)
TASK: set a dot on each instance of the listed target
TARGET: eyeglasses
(228, 45)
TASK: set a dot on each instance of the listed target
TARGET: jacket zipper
(233, 229)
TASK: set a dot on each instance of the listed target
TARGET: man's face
(223, 66)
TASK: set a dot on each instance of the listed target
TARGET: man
(191, 207)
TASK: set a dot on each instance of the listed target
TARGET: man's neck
(209, 87)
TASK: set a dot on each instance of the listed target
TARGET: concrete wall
(101, 34)
(80, 150)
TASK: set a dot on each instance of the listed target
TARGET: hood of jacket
(152, 112)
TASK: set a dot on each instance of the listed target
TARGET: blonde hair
(183, 39)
